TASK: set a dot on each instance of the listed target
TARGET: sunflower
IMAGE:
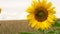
(41, 14)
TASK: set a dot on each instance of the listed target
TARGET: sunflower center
(41, 15)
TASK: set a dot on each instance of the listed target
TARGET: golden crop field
(15, 26)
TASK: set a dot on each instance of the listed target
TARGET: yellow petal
(46, 25)
(34, 1)
(31, 21)
(38, 0)
(37, 5)
(50, 20)
(42, 26)
(30, 9)
(53, 17)
(44, 3)
(33, 24)
(51, 10)
(37, 26)
(44, 0)
(30, 16)
(49, 5)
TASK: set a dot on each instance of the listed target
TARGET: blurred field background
(15, 26)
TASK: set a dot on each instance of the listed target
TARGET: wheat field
(15, 26)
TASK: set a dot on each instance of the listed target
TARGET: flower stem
(44, 32)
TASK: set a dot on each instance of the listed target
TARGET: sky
(15, 9)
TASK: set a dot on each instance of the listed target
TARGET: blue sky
(15, 9)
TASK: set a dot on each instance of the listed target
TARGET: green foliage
(40, 30)
(53, 32)
(26, 33)
(50, 32)
(57, 24)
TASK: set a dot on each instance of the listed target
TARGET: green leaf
(40, 30)
(57, 24)
(53, 32)
(27, 33)
(57, 30)
(50, 32)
